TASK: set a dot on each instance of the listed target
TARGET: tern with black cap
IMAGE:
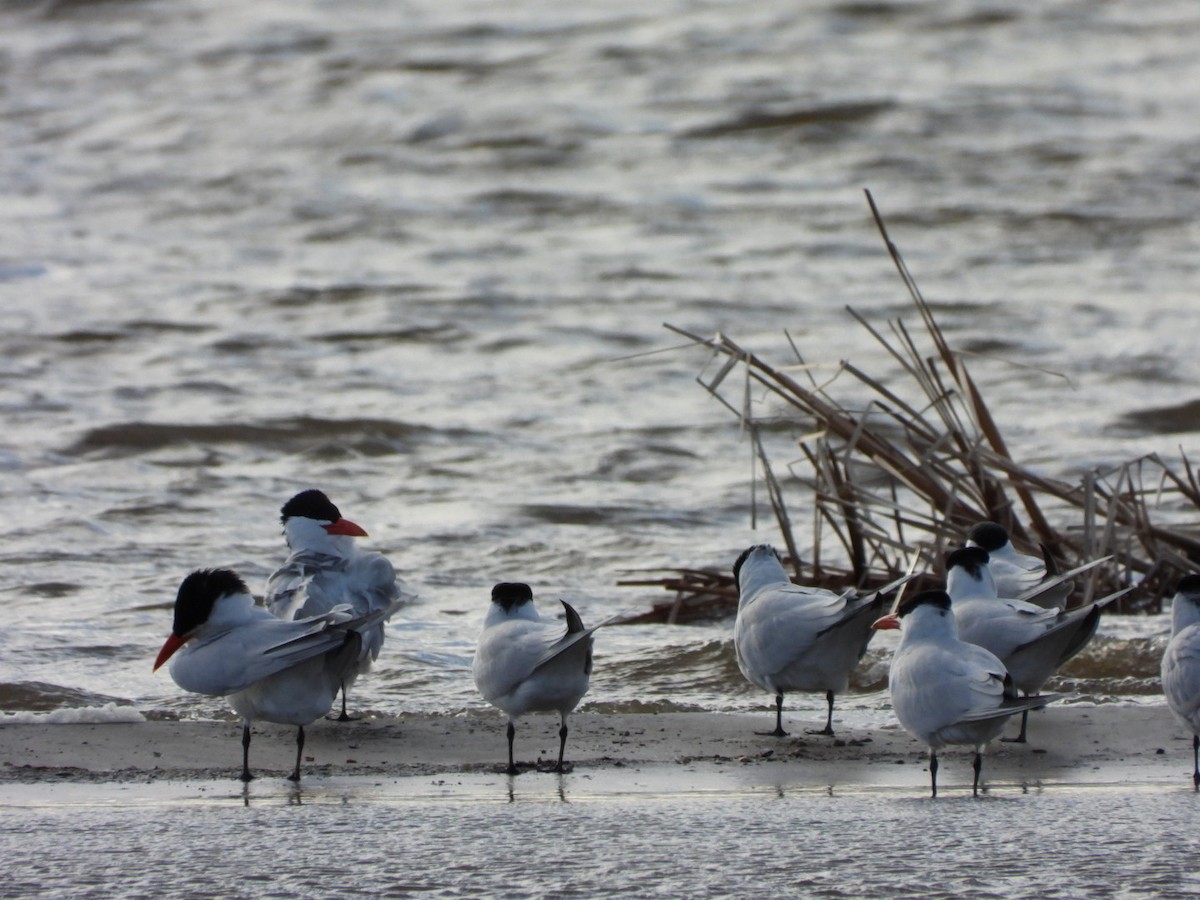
(524, 663)
(944, 690)
(325, 569)
(269, 669)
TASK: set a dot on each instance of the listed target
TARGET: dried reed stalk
(902, 478)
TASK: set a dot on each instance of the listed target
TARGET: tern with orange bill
(326, 569)
(269, 669)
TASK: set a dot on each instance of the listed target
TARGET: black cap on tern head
(310, 504)
(939, 599)
(198, 593)
(973, 559)
(509, 594)
(745, 554)
(989, 535)
(1189, 584)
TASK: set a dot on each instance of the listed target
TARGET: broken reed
(895, 479)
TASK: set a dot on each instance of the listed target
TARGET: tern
(287, 672)
(326, 569)
(1019, 574)
(1181, 664)
(945, 690)
(1032, 642)
(793, 638)
(524, 663)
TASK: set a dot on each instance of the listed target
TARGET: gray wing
(576, 632)
(231, 661)
(1054, 591)
(298, 647)
(296, 589)
(1010, 706)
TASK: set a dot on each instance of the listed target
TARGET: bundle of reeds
(898, 481)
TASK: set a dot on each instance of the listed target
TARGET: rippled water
(419, 254)
(564, 840)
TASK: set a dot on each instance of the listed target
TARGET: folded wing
(232, 660)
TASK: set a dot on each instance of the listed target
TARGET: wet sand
(1077, 744)
(670, 804)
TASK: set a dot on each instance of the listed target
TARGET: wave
(801, 117)
(340, 293)
(40, 696)
(1178, 418)
(589, 514)
(88, 715)
(446, 333)
(515, 201)
(371, 437)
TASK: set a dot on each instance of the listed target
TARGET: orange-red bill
(345, 526)
(886, 622)
(173, 643)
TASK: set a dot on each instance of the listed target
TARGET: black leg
(343, 716)
(295, 776)
(977, 766)
(1020, 738)
(1196, 761)
(778, 732)
(828, 729)
(933, 767)
(512, 732)
(562, 744)
(246, 776)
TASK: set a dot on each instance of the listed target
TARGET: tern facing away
(1032, 642)
(1019, 574)
(945, 690)
(1181, 664)
(524, 663)
(287, 672)
(326, 569)
(793, 638)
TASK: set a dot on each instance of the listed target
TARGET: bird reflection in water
(560, 790)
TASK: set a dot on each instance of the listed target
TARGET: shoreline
(1075, 744)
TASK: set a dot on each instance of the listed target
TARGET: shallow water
(417, 254)
(420, 255)
(558, 837)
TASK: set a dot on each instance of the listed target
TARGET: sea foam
(84, 715)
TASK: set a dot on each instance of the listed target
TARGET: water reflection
(560, 789)
(620, 842)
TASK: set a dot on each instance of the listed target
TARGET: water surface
(557, 837)
(416, 253)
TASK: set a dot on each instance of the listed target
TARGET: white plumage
(326, 569)
(793, 638)
(287, 672)
(1032, 642)
(1019, 575)
(524, 663)
(945, 690)
(1181, 664)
